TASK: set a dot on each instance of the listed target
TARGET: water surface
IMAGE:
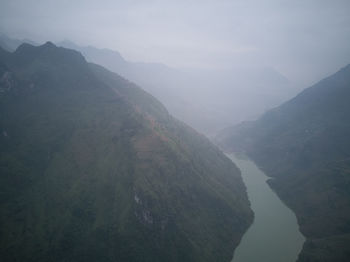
(274, 235)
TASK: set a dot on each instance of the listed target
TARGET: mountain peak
(24, 47)
(49, 44)
(48, 52)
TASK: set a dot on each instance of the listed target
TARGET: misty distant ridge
(11, 44)
(208, 100)
(91, 53)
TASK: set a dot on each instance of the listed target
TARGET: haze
(303, 40)
(110, 111)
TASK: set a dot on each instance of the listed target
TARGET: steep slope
(208, 100)
(304, 144)
(92, 168)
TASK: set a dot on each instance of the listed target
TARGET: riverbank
(274, 234)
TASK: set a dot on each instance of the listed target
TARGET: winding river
(274, 235)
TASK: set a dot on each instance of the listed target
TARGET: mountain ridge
(177, 88)
(192, 94)
(93, 168)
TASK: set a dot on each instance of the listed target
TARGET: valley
(174, 131)
(304, 146)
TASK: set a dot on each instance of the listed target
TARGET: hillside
(206, 99)
(304, 145)
(95, 169)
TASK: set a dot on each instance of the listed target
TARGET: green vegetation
(92, 168)
(304, 144)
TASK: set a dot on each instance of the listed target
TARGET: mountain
(208, 100)
(304, 145)
(11, 44)
(92, 168)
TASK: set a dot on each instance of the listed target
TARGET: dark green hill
(92, 168)
(305, 145)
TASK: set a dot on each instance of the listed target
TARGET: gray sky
(303, 39)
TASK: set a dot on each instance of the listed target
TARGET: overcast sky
(303, 39)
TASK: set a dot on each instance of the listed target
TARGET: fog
(219, 62)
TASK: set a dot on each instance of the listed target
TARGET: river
(274, 235)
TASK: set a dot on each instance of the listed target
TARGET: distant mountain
(305, 146)
(11, 44)
(92, 168)
(208, 100)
